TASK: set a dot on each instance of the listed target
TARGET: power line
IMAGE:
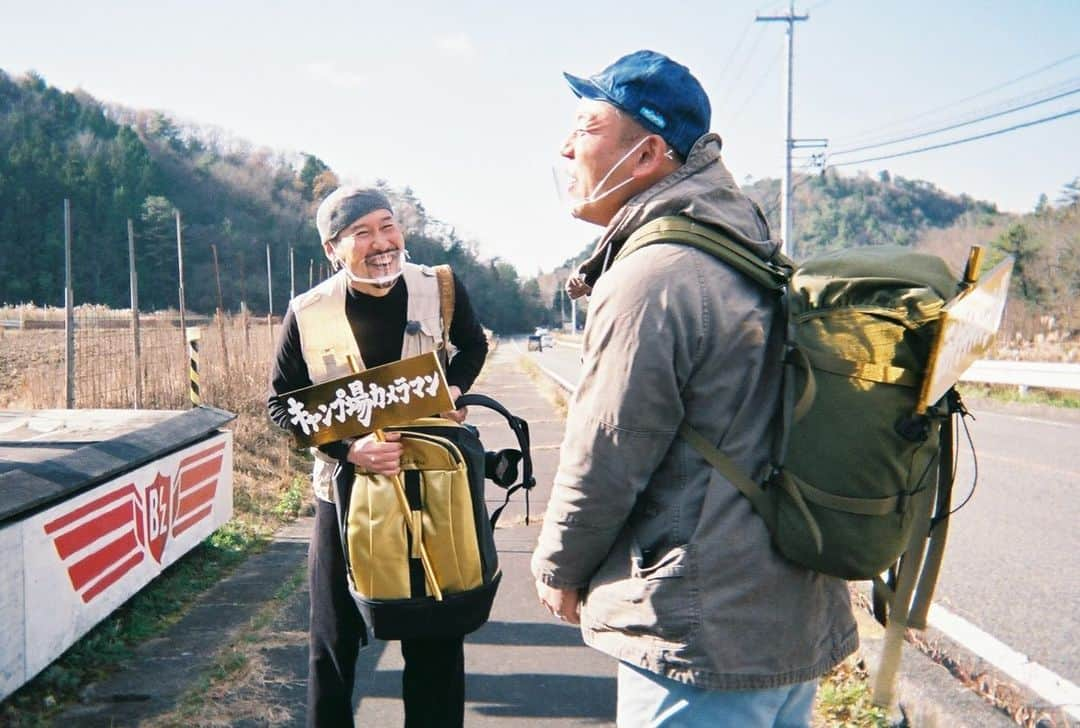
(754, 92)
(746, 59)
(735, 50)
(951, 104)
(965, 140)
(957, 125)
(1050, 90)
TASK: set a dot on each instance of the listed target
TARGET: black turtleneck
(378, 323)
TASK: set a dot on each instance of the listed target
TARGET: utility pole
(785, 185)
(69, 310)
(292, 275)
(136, 345)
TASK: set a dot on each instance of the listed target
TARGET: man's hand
(457, 415)
(373, 456)
(563, 603)
(576, 287)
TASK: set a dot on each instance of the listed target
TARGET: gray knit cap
(344, 205)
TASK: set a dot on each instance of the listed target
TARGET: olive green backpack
(859, 485)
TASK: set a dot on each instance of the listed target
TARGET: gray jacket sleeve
(641, 341)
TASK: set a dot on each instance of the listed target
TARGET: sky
(465, 102)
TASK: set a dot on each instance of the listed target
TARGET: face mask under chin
(564, 183)
(394, 270)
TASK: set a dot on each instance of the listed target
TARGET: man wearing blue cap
(660, 559)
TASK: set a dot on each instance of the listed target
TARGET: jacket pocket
(669, 566)
(656, 600)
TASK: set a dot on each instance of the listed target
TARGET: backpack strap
(521, 430)
(939, 525)
(445, 277)
(772, 274)
(898, 599)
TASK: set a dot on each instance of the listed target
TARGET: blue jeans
(648, 700)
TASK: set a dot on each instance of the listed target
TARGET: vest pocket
(427, 338)
(325, 363)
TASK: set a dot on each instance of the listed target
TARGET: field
(270, 481)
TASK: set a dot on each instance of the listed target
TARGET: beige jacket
(327, 340)
(679, 573)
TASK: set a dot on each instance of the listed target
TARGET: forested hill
(834, 211)
(116, 164)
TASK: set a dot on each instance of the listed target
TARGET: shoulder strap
(521, 429)
(445, 277)
(773, 273)
(732, 472)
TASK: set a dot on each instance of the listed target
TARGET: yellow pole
(974, 264)
(193, 335)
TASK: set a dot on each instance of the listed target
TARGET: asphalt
(524, 668)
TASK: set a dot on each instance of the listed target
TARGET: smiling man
(377, 308)
(660, 559)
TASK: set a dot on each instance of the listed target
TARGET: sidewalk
(524, 668)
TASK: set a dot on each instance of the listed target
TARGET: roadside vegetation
(1020, 396)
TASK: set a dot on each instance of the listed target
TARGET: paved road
(1012, 565)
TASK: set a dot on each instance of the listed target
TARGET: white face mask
(564, 181)
(395, 268)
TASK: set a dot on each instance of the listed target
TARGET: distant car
(536, 342)
(547, 341)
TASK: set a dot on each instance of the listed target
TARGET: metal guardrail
(1045, 375)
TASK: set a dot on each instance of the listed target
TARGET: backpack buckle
(902, 499)
(915, 428)
(770, 475)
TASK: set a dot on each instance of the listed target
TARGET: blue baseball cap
(662, 95)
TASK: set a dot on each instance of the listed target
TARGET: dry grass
(234, 363)
(551, 391)
(270, 481)
(240, 686)
(234, 356)
(843, 699)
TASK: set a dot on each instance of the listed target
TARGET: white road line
(556, 378)
(1023, 418)
(1051, 686)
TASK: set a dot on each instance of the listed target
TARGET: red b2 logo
(158, 515)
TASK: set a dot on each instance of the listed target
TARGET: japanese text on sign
(360, 403)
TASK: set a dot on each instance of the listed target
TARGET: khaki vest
(327, 341)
